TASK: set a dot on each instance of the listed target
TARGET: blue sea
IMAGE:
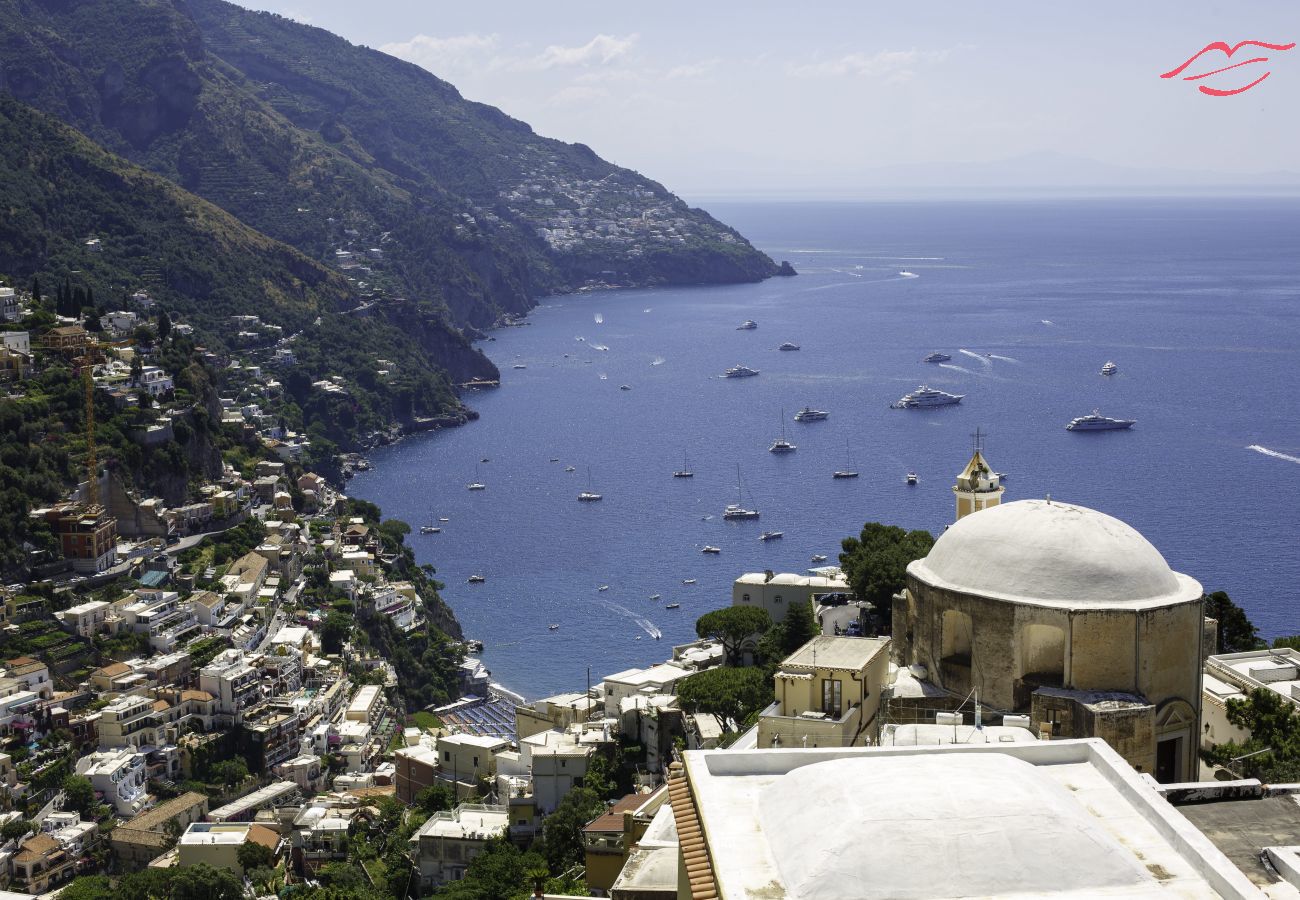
(1195, 300)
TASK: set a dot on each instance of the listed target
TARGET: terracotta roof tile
(690, 834)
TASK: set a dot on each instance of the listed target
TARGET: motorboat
(655, 596)
(710, 549)
(927, 398)
(740, 372)
(625, 387)
(570, 469)
(673, 606)
(685, 470)
(1097, 422)
(937, 357)
(553, 627)
(747, 325)
(781, 445)
(808, 414)
(1110, 368)
(430, 529)
(443, 519)
(907, 274)
(788, 345)
(555, 459)
(819, 557)
(519, 366)
(603, 587)
(771, 535)
(688, 581)
(911, 478)
(476, 579)
(588, 496)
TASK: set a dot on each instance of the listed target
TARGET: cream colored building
(1066, 614)
(447, 843)
(828, 694)
(559, 711)
(776, 593)
(218, 843)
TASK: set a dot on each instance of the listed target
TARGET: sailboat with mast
(476, 485)
(781, 445)
(431, 528)
(685, 470)
(588, 496)
(735, 511)
(848, 471)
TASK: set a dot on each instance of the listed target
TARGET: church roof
(1053, 554)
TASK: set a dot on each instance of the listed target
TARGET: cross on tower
(977, 440)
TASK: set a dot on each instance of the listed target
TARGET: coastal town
(251, 683)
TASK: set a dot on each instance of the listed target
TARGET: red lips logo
(1221, 47)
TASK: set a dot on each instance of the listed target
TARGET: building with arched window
(1068, 615)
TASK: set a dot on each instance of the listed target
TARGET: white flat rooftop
(830, 652)
(1042, 819)
(930, 735)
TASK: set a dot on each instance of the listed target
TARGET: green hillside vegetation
(320, 143)
(203, 265)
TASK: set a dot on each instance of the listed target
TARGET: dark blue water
(1195, 300)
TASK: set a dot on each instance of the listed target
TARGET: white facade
(155, 381)
(775, 594)
(119, 776)
(444, 846)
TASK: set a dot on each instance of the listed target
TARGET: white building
(232, 682)
(155, 381)
(8, 305)
(1233, 676)
(17, 341)
(559, 761)
(1053, 818)
(119, 777)
(85, 619)
(444, 846)
(367, 705)
(163, 616)
(660, 679)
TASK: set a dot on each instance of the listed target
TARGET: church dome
(1040, 551)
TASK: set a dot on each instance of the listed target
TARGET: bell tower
(978, 486)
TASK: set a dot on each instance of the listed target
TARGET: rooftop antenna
(977, 440)
(1049, 499)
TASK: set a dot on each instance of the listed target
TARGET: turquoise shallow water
(1196, 301)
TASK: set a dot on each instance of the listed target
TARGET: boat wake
(658, 361)
(908, 275)
(984, 360)
(600, 318)
(645, 624)
(1273, 453)
(1005, 358)
(956, 368)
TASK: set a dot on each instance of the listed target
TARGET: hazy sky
(714, 96)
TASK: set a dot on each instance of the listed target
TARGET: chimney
(768, 575)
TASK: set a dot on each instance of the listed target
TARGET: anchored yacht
(739, 372)
(747, 325)
(925, 398)
(808, 414)
(1098, 422)
(1110, 368)
(937, 357)
(788, 346)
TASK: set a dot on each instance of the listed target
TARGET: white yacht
(430, 529)
(925, 398)
(808, 414)
(739, 372)
(747, 325)
(788, 346)
(476, 579)
(819, 557)
(937, 357)
(911, 478)
(710, 549)
(771, 536)
(1098, 422)
(1110, 368)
